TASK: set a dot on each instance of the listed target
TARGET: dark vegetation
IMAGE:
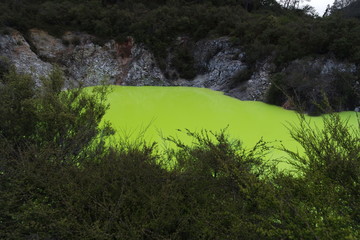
(263, 26)
(312, 91)
(266, 28)
(60, 180)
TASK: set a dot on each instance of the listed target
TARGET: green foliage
(44, 135)
(59, 180)
(292, 34)
(330, 170)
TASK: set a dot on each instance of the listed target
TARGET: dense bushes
(59, 180)
(265, 30)
(330, 173)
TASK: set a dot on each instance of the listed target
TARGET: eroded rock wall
(218, 64)
(217, 61)
(83, 60)
(86, 62)
(15, 49)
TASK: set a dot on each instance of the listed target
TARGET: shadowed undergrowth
(59, 179)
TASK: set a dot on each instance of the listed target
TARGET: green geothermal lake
(159, 111)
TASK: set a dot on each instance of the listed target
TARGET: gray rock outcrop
(17, 50)
(256, 87)
(47, 47)
(91, 64)
(217, 62)
(83, 60)
(143, 70)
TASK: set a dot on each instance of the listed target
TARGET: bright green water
(163, 110)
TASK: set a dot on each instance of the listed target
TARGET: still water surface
(160, 111)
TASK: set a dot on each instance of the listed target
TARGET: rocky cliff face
(256, 87)
(85, 61)
(218, 64)
(82, 59)
(17, 50)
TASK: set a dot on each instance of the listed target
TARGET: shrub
(45, 135)
(329, 171)
(59, 180)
